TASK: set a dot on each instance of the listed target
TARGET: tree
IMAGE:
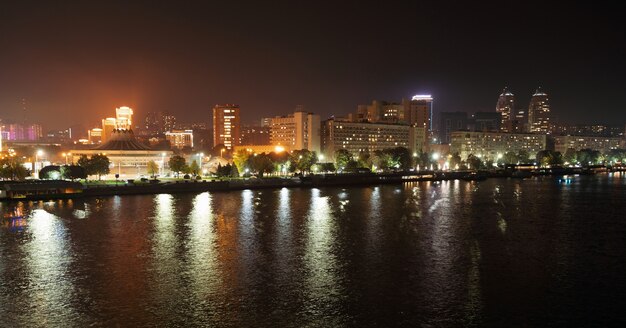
(400, 157)
(12, 168)
(73, 172)
(86, 164)
(240, 158)
(365, 159)
(523, 157)
(304, 159)
(455, 161)
(474, 162)
(588, 157)
(194, 168)
(177, 164)
(342, 157)
(382, 160)
(100, 165)
(510, 158)
(549, 157)
(570, 156)
(327, 167)
(50, 172)
(153, 168)
(261, 164)
(234, 173)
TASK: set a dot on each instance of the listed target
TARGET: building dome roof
(122, 139)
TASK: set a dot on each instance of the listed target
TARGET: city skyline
(74, 58)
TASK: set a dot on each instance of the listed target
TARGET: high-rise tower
(226, 125)
(505, 108)
(539, 113)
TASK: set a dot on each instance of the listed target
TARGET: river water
(502, 252)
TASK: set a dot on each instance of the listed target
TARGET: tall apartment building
(602, 144)
(180, 138)
(226, 125)
(419, 111)
(539, 113)
(300, 130)
(505, 106)
(488, 145)
(358, 137)
(416, 111)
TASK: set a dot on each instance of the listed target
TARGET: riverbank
(47, 190)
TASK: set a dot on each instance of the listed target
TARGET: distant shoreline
(44, 192)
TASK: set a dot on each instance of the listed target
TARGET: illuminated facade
(21, 132)
(539, 113)
(359, 137)
(505, 107)
(124, 118)
(94, 136)
(489, 145)
(419, 111)
(602, 144)
(300, 130)
(128, 157)
(180, 138)
(226, 125)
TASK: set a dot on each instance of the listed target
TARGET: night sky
(76, 62)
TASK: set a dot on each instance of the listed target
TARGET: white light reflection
(203, 264)
(320, 260)
(48, 260)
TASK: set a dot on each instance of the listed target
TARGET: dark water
(499, 252)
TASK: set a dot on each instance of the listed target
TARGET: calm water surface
(538, 252)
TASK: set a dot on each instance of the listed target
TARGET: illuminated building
(180, 138)
(489, 145)
(108, 125)
(300, 130)
(539, 113)
(266, 122)
(168, 122)
(602, 144)
(505, 106)
(259, 149)
(94, 136)
(419, 111)
(128, 157)
(21, 132)
(226, 125)
(358, 137)
(124, 117)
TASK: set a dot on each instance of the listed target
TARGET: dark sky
(76, 62)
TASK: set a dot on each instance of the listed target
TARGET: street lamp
(222, 152)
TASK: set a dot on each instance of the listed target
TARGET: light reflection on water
(455, 253)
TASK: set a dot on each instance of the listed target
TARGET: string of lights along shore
(412, 123)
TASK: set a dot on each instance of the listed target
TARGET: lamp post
(222, 152)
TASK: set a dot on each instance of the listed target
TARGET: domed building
(129, 158)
